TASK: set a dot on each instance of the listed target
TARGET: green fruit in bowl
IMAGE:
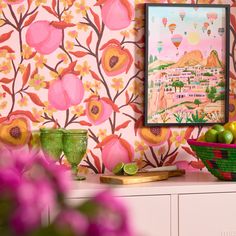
(218, 127)
(211, 136)
(225, 137)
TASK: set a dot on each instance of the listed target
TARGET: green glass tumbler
(75, 147)
(51, 142)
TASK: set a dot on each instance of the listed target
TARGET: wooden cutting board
(141, 177)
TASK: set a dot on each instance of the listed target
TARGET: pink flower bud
(68, 91)
(44, 37)
(117, 14)
(115, 151)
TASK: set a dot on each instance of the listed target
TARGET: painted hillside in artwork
(186, 75)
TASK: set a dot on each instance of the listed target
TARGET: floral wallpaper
(79, 64)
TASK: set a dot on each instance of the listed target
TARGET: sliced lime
(130, 168)
(118, 168)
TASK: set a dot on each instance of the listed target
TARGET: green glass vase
(75, 147)
(51, 142)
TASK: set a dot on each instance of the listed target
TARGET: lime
(231, 126)
(225, 137)
(218, 127)
(118, 168)
(211, 136)
(130, 168)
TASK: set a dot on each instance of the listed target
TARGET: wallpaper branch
(79, 64)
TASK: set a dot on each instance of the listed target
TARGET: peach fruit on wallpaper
(79, 64)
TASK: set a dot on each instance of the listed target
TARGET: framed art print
(186, 64)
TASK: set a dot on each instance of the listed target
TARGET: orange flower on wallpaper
(73, 33)
(12, 2)
(39, 2)
(68, 17)
(117, 84)
(23, 102)
(87, 85)
(81, 26)
(115, 59)
(140, 147)
(37, 82)
(48, 108)
(40, 60)
(178, 138)
(78, 110)
(63, 57)
(102, 133)
(6, 67)
(83, 69)
(2, 6)
(81, 7)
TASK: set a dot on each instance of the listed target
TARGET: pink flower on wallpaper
(98, 110)
(12, 2)
(44, 37)
(117, 14)
(66, 92)
(116, 150)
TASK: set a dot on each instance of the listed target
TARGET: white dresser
(196, 204)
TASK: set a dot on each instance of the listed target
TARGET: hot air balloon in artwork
(205, 25)
(209, 32)
(221, 31)
(159, 46)
(176, 40)
(182, 15)
(172, 27)
(211, 16)
(164, 21)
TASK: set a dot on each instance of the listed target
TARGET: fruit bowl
(219, 158)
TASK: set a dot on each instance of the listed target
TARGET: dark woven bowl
(219, 159)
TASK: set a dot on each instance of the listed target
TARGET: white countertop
(196, 182)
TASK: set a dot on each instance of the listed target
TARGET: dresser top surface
(196, 182)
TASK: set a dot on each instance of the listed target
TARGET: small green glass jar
(75, 146)
(51, 142)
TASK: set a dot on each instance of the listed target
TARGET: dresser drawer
(211, 214)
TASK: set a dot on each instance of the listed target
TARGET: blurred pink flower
(111, 217)
(30, 184)
(44, 37)
(73, 220)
